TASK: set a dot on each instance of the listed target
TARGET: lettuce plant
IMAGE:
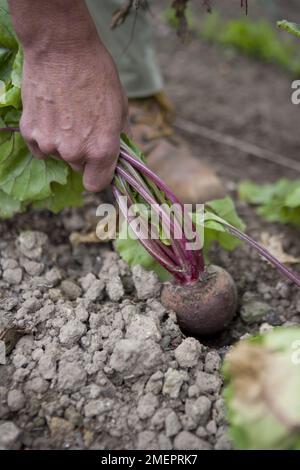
(262, 389)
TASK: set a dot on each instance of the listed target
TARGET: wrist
(53, 26)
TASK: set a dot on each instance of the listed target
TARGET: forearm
(45, 25)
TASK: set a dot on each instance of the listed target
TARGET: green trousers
(131, 46)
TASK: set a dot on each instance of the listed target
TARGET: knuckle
(69, 153)
(46, 146)
(26, 130)
(108, 149)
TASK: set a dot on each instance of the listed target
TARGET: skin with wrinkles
(64, 57)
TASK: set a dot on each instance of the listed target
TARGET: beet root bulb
(206, 307)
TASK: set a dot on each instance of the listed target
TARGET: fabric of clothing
(131, 46)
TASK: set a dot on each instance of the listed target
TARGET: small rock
(10, 436)
(44, 313)
(70, 289)
(13, 276)
(10, 303)
(81, 313)
(60, 428)
(164, 442)
(159, 418)
(71, 376)
(188, 441)
(212, 361)
(31, 244)
(283, 289)
(173, 425)
(188, 352)
(53, 277)
(147, 405)
(220, 411)
(87, 281)
(73, 416)
(147, 441)
(47, 366)
(193, 391)
(132, 357)
(88, 437)
(36, 385)
(114, 288)
(208, 383)
(198, 410)
(95, 291)
(71, 333)
(97, 407)
(32, 304)
(8, 263)
(155, 383)
(223, 443)
(254, 311)
(32, 267)
(146, 283)
(211, 428)
(173, 382)
(201, 432)
(142, 327)
(15, 400)
(55, 295)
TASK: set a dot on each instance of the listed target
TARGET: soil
(100, 363)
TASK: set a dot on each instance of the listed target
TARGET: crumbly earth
(99, 363)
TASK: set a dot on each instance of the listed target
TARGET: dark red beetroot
(206, 307)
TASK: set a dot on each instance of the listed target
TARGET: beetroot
(205, 307)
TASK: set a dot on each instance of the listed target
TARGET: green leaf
(217, 212)
(293, 198)
(254, 193)
(134, 253)
(256, 38)
(225, 209)
(262, 391)
(8, 37)
(10, 95)
(277, 202)
(16, 76)
(10, 61)
(292, 28)
(64, 195)
(8, 206)
(26, 178)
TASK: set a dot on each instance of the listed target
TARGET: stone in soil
(254, 311)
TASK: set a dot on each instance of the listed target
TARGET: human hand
(74, 107)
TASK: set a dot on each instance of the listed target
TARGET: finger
(35, 150)
(72, 155)
(95, 177)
